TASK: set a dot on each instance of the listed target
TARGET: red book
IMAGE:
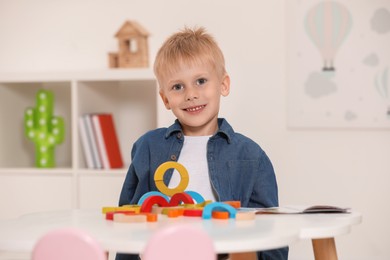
(108, 141)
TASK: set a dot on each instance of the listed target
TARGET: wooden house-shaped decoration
(133, 47)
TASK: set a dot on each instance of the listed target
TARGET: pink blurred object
(68, 244)
(179, 242)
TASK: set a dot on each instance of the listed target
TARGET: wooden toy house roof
(131, 28)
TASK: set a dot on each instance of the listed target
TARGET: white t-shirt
(193, 157)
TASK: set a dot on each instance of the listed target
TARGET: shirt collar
(224, 129)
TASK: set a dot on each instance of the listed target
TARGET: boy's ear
(225, 85)
(165, 100)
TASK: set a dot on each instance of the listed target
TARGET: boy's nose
(192, 94)
(191, 98)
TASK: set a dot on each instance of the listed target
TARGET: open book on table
(298, 209)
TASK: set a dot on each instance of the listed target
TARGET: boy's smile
(193, 93)
(195, 109)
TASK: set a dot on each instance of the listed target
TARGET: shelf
(87, 75)
(63, 172)
(130, 95)
(36, 172)
(16, 150)
(103, 173)
(128, 101)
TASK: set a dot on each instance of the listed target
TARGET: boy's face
(193, 94)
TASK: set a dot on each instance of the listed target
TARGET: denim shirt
(239, 169)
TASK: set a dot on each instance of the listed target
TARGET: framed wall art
(338, 64)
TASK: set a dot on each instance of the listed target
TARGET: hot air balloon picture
(328, 24)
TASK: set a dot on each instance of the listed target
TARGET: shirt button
(173, 157)
(178, 135)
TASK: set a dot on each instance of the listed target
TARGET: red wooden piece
(152, 200)
(177, 198)
(193, 212)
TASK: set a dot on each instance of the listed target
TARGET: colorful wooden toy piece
(220, 214)
(110, 214)
(193, 212)
(234, 203)
(151, 193)
(159, 178)
(195, 196)
(151, 217)
(129, 218)
(175, 202)
(152, 200)
(108, 209)
(245, 215)
(178, 198)
(160, 210)
(203, 204)
(218, 206)
(134, 208)
(173, 212)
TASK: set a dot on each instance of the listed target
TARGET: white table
(229, 236)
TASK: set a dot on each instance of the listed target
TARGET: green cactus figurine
(44, 129)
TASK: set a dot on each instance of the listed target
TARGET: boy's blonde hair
(189, 46)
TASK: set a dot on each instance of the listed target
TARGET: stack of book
(99, 141)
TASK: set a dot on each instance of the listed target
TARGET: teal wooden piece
(151, 193)
(209, 208)
(43, 129)
(195, 195)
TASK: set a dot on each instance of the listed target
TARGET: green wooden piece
(44, 129)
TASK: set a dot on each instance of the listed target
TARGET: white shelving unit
(129, 94)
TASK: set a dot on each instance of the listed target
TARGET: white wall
(340, 167)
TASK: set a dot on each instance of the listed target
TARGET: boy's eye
(201, 81)
(177, 87)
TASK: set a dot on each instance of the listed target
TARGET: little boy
(223, 165)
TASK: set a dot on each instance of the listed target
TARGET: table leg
(324, 249)
(243, 256)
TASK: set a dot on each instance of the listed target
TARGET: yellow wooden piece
(193, 206)
(159, 178)
(108, 209)
(204, 203)
(134, 208)
(165, 210)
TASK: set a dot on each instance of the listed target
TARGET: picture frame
(338, 63)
